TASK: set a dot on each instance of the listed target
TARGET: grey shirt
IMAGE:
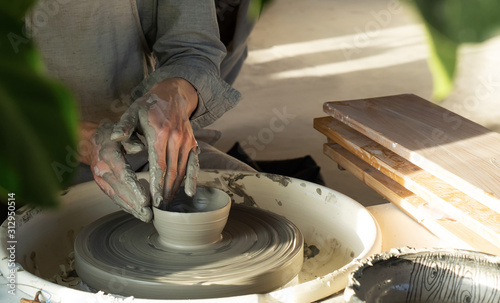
(112, 52)
(183, 37)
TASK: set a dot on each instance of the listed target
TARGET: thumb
(124, 128)
(192, 170)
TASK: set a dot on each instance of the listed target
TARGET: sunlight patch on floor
(350, 44)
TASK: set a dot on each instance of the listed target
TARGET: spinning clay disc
(259, 252)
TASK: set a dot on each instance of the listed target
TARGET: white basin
(338, 226)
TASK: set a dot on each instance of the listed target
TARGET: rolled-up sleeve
(187, 46)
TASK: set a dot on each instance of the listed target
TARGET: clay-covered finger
(116, 178)
(124, 128)
(157, 165)
(156, 142)
(130, 195)
(182, 168)
(127, 192)
(132, 199)
(192, 170)
(172, 174)
(157, 177)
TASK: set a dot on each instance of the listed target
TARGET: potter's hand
(114, 176)
(162, 116)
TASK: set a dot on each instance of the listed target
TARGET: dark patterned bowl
(426, 275)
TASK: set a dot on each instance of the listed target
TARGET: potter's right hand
(111, 171)
(162, 117)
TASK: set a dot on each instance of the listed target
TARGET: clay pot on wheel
(193, 222)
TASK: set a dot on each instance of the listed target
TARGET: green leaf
(462, 21)
(442, 63)
(38, 122)
(24, 162)
(450, 23)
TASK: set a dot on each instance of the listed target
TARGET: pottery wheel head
(258, 252)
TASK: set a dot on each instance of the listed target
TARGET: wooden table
(440, 168)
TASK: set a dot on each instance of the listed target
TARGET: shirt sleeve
(187, 46)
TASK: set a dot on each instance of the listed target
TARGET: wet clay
(258, 252)
(435, 275)
(190, 223)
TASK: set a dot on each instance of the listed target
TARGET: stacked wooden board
(440, 168)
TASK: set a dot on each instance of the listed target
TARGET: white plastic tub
(338, 226)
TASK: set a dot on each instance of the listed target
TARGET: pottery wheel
(259, 252)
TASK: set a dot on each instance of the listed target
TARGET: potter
(141, 81)
(163, 68)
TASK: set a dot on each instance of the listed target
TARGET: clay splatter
(67, 275)
(237, 177)
(240, 190)
(303, 184)
(279, 202)
(25, 215)
(310, 251)
(330, 198)
(318, 190)
(282, 180)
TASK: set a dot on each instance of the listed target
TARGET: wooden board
(454, 149)
(453, 232)
(439, 194)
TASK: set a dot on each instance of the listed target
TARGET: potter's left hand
(111, 171)
(162, 116)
